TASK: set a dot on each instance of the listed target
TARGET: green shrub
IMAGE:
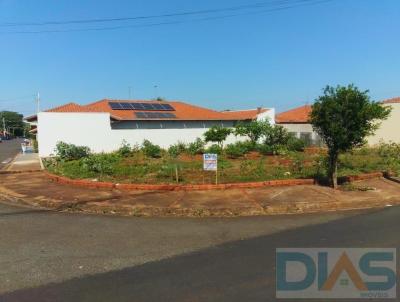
(272, 149)
(238, 149)
(196, 147)
(214, 149)
(264, 149)
(296, 144)
(177, 149)
(103, 163)
(151, 150)
(174, 151)
(217, 134)
(68, 152)
(125, 150)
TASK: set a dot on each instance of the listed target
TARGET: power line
(299, 4)
(178, 14)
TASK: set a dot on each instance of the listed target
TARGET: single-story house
(296, 121)
(104, 125)
(389, 130)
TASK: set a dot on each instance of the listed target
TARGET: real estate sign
(210, 162)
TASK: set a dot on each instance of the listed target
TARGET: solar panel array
(141, 106)
(154, 115)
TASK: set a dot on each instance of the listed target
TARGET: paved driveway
(8, 150)
(40, 247)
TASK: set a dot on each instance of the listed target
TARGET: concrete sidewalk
(36, 189)
(25, 162)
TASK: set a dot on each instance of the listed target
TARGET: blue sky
(279, 59)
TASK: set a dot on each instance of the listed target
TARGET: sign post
(210, 163)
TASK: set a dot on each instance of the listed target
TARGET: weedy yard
(240, 162)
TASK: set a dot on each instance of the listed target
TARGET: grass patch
(152, 165)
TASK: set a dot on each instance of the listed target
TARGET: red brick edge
(365, 176)
(172, 187)
(199, 187)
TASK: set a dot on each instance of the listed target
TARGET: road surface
(8, 150)
(47, 256)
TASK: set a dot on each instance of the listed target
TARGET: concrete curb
(41, 163)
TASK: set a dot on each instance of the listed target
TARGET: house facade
(104, 125)
(389, 130)
(296, 121)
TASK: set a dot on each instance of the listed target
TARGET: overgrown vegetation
(239, 162)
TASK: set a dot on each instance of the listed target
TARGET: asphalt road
(48, 256)
(8, 150)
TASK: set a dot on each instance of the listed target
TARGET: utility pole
(38, 102)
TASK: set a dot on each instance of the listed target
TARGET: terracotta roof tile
(296, 115)
(183, 111)
(244, 114)
(392, 101)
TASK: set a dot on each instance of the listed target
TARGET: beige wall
(389, 129)
(298, 128)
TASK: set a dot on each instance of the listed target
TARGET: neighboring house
(296, 121)
(104, 125)
(389, 130)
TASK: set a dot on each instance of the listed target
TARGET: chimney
(259, 110)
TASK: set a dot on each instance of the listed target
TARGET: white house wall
(94, 130)
(267, 115)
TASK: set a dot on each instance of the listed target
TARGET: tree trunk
(332, 169)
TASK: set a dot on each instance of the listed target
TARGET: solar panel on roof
(169, 115)
(154, 115)
(137, 106)
(141, 114)
(157, 107)
(126, 106)
(141, 106)
(167, 107)
(147, 106)
(115, 106)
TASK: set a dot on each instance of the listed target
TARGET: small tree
(344, 117)
(217, 134)
(276, 135)
(254, 130)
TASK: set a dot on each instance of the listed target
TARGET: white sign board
(210, 162)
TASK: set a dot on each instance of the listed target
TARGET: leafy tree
(217, 134)
(344, 117)
(276, 136)
(254, 130)
(13, 121)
